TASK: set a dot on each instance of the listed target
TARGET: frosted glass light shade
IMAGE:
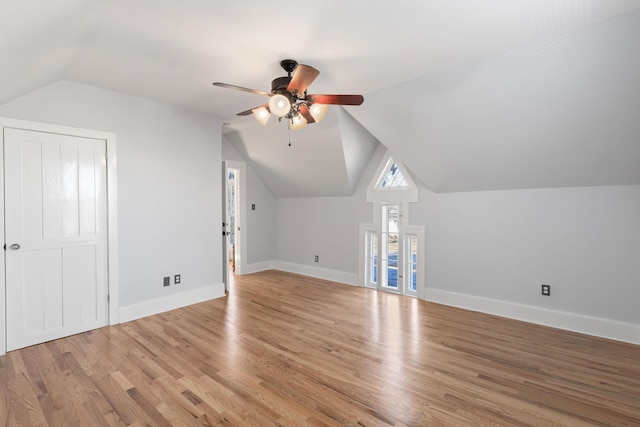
(279, 105)
(261, 114)
(318, 111)
(298, 122)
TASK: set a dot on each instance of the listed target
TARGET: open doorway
(234, 202)
(232, 208)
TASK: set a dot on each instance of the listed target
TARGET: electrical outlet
(317, 258)
(546, 290)
(167, 281)
(176, 279)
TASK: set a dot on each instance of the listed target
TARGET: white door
(56, 236)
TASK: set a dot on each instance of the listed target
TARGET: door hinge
(5, 246)
(108, 298)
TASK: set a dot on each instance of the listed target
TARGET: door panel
(30, 193)
(44, 296)
(56, 211)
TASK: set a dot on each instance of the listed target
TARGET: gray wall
(325, 226)
(260, 227)
(584, 242)
(501, 245)
(168, 165)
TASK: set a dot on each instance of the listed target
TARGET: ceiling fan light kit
(261, 114)
(318, 111)
(288, 97)
(279, 105)
(298, 122)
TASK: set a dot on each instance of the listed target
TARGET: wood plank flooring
(288, 350)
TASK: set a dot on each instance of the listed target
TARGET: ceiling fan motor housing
(279, 85)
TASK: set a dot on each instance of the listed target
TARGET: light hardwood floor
(283, 349)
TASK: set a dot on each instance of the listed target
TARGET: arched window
(391, 250)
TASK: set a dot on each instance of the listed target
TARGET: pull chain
(289, 127)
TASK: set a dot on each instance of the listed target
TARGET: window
(391, 251)
(371, 262)
(411, 262)
(392, 183)
(393, 177)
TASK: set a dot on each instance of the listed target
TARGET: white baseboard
(170, 302)
(595, 326)
(257, 267)
(319, 273)
(305, 270)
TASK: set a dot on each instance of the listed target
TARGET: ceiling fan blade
(244, 89)
(304, 110)
(302, 78)
(250, 111)
(336, 99)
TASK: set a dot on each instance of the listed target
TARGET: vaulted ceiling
(469, 95)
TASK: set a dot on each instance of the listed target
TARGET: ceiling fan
(289, 99)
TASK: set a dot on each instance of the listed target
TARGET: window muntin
(393, 178)
(371, 238)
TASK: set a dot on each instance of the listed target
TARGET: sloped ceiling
(39, 40)
(329, 156)
(436, 76)
(558, 113)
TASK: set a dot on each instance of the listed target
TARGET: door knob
(15, 246)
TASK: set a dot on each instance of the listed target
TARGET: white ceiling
(561, 112)
(337, 150)
(171, 51)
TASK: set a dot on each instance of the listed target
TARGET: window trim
(380, 197)
(376, 193)
(419, 232)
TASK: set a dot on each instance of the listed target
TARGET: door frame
(112, 212)
(225, 244)
(382, 245)
(241, 214)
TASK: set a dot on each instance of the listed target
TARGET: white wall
(260, 226)
(168, 184)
